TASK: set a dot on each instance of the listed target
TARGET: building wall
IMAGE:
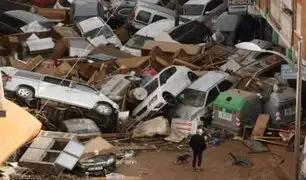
(278, 15)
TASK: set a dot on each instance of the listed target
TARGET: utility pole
(298, 111)
(177, 14)
(2, 108)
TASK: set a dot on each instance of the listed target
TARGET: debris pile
(92, 106)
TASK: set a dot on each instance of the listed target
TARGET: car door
(83, 95)
(54, 89)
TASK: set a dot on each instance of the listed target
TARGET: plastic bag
(152, 127)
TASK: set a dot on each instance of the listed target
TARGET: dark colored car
(12, 21)
(119, 14)
(98, 165)
(81, 10)
(193, 32)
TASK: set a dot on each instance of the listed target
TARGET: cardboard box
(170, 47)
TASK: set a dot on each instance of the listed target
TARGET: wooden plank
(33, 63)
(261, 125)
(272, 142)
(177, 61)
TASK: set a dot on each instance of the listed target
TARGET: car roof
(83, 8)
(199, 2)
(156, 28)
(205, 82)
(155, 7)
(25, 16)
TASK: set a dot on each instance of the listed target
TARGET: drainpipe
(293, 18)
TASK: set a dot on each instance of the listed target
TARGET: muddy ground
(217, 165)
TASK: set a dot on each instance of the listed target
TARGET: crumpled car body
(98, 32)
(98, 165)
(163, 89)
(29, 85)
(198, 97)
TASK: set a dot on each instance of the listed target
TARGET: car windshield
(137, 41)
(192, 97)
(193, 9)
(80, 18)
(105, 31)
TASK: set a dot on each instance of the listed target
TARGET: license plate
(225, 116)
(290, 111)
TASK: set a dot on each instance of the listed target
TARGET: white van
(147, 13)
(197, 9)
(135, 43)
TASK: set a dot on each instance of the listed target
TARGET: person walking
(198, 145)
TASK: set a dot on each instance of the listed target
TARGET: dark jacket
(197, 143)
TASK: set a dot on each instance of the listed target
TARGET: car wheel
(25, 92)
(169, 98)
(104, 109)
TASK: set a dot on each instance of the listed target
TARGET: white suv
(163, 88)
(29, 85)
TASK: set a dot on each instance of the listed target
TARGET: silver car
(29, 85)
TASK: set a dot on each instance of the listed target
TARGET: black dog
(182, 159)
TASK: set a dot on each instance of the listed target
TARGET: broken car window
(193, 9)
(143, 16)
(212, 95)
(193, 97)
(157, 18)
(164, 76)
(105, 31)
(137, 41)
(151, 86)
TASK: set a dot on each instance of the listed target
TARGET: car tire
(169, 98)
(25, 92)
(104, 109)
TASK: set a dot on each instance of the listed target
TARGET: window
(212, 5)
(157, 18)
(193, 97)
(56, 81)
(225, 85)
(83, 87)
(28, 75)
(164, 76)
(11, 21)
(64, 3)
(104, 30)
(152, 86)
(137, 41)
(125, 11)
(143, 16)
(212, 95)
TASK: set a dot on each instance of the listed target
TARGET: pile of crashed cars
(96, 67)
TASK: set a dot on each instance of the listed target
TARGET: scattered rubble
(78, 106)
